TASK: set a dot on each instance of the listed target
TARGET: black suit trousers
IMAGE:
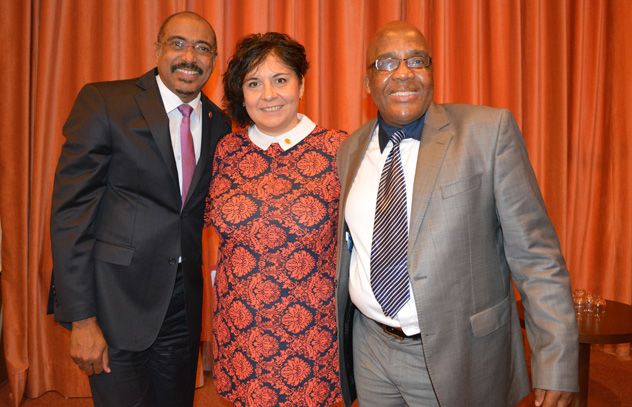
(162, 375)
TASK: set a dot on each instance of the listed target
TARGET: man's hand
(552, 398)
(88, 348)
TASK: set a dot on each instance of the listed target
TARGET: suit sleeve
(80, 181)
(538, 269)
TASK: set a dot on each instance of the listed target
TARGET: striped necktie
(389, 248)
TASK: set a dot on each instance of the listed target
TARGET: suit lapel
(432, 150)
(348, 166)
(153, 110)
(354, 159)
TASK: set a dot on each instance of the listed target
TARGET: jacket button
(172, 260)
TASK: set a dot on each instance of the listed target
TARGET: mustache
(187, 65)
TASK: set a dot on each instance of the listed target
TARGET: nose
(268, 91)
(188, 53)
(403, 71)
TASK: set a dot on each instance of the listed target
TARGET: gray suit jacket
(478, 222)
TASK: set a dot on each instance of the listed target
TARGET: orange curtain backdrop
(15, 181)
(562, 67)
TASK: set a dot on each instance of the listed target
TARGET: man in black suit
(125, 232)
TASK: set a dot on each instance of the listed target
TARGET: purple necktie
(187, 150)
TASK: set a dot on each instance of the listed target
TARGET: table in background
(611, 327)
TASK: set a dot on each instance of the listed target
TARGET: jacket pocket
(460, 186)
(112, 253)
(487, 321)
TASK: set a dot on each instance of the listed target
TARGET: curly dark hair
(251, 51)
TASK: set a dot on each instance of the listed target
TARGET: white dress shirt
(171, 101)
(360, 215)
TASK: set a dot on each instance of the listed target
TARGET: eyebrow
(408, 54)
(276, 75)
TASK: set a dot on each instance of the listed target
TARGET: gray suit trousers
(389, 372)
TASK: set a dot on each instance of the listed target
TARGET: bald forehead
(183, 18)
(396, 37)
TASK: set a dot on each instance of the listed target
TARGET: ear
(366, 84)
(157, 49)
(301, 89)
(213, 61)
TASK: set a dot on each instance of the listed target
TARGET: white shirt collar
(171, 101)
(286, 140)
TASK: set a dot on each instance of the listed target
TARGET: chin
(409, 117)
(187, 92)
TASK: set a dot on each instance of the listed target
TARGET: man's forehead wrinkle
(398, 32)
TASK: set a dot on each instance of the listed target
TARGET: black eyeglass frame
(427, 64)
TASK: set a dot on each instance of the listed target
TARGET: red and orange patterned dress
(274, 328)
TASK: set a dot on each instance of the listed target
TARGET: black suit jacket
(117, 227)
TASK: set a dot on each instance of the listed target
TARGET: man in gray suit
(426, 313)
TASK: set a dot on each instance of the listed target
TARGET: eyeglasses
(391, 64)
(180, 45)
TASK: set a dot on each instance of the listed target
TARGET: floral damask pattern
(312, 163)
(252, 165)
(308, 210)
(239, 208)
(274, 326)
(300, 264)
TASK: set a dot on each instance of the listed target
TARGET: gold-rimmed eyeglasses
(180, 45)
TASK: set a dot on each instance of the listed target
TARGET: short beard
(187, 92)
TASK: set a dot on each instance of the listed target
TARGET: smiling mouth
(187, 71)
(403, 93)
(272, 108)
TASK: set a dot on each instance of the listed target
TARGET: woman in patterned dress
(274, 203)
